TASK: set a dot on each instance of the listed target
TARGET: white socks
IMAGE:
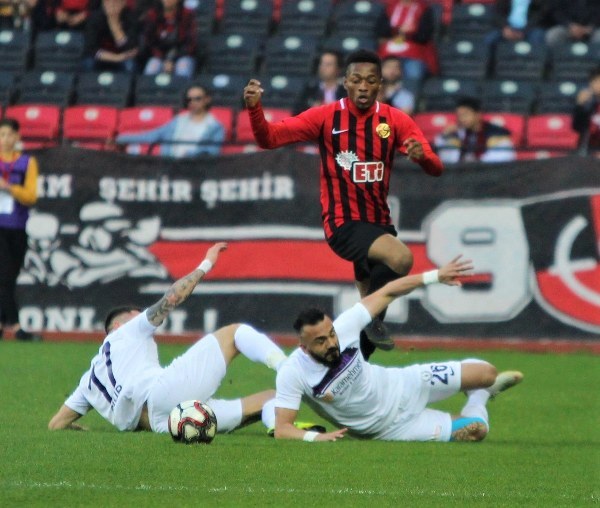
(475, 406)
(268, 414)
(258, 347)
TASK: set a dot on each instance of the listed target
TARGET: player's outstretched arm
(182, 288)
(285, 429)
(65, 419)
(448, 274)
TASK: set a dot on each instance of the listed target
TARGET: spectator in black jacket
(111, 38)
(327, 87)
(586, 114)
(575, 21)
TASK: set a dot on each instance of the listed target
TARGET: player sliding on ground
(330, 373)
(127, 386)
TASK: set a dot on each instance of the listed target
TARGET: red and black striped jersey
(357, 152)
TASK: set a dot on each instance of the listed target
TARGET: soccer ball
(192, 421)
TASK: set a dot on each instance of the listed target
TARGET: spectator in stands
(575, 21)
(409, 35)
(111, 38)
(16, 13)
(73, 14)
(18, 193)
(195, 131)
(586, 115)
(519, 20)
(392, 92)
(170, 35)
(474, 139)
(327, 87)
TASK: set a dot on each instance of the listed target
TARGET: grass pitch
(543, 448)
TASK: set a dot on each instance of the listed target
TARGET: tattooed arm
(183, 287)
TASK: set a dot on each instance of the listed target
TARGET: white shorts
(424, 384)
(195, 375)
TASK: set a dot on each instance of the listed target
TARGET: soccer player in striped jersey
(358, 138)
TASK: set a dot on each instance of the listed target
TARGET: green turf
(543, 449)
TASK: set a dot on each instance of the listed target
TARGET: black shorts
(352, 242)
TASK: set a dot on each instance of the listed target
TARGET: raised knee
(402, 262)
(488, 376)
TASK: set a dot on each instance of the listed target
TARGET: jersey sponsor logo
(338, 379)
(335, 131)
(362, 171)
(367, 172)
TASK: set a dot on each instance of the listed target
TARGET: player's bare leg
(252, 406)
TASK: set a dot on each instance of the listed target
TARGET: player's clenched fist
(252, 93)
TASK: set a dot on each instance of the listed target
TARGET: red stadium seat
(235, 149)
(39, 124)
(90, 126)
(225, 115)
(551, 131)
(142, 118)
(514, 122)
(243, 130)
(432, 124)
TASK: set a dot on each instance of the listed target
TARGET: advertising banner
(111, 229)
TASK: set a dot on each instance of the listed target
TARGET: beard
(331, 358)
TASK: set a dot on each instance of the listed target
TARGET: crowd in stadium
(88, 72)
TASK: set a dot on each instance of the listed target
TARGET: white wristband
(205, 266)
(310, 436)
(431, 277)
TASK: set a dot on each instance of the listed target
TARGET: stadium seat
(206, 15)
(237, 149)
(90, 126)
(46, 87)
(515, 123)
(7, 87)
(304, 17)
(509, 96)
(558, 96)
(226, 89)
(243, 130)
(14, 50)
(244, 17)
(356, 17)
(139, 119)
(573, 61)
(463, 58)
(160, 90)
(58, 50)
(281, 91)
(439, 94)
(232, 53)
(39, 124)
(293, 55)
(104, 88)
(433, 123)
(226, 116)
(520, 61)
(347, 43)
(551, 131)
(471, 21)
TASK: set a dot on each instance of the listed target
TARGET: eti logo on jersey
(361, 171)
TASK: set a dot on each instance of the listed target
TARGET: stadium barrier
(110, 228)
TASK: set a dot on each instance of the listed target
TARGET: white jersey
(355, 394)
(120, 375)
